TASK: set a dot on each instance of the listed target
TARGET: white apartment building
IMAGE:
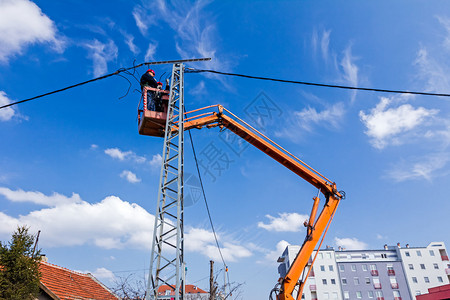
(395, 272)
(425, 267)
(323, 281)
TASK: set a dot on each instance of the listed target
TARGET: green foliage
(19, 267)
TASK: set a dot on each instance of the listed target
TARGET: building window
(356, 280)
(414, 279)
(335, 295)
(436, 266)
(341, 268)
(427, 280)
(346, 295)
(344, 281)
(330, 267)
(333, 281)
(364, 267)
(396, 294)
(358, 295)
(431, 253)
(419, 253)
(322, 268)
(373, 267)
(354, 268)
(379, 294)
(364, 256)
(383, 255)
(320, 255)
(367, 280)
(328, 255)
(411, 267)
(407, 253)
(324, 281)
(326, 296)
(418, 293)
(370, 294)
(422, 266)
(440, 279)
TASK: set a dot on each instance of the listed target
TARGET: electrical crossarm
(318, 222)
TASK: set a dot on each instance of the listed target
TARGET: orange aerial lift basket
(152, 122)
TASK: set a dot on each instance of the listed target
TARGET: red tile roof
(189, 289)
(70, 285)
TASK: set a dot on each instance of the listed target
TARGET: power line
(206, 202)
(121, 70)
(192, 70)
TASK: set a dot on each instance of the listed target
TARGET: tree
(19, 267)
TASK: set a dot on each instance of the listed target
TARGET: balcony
(394, 285)
(391, 272)
(380, 298)
(377, 286)
(444, 257)
(397, 298)
(374, 272)
(313, 287)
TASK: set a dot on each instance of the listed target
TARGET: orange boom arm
(316, 227)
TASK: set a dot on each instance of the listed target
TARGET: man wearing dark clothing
(148, 79)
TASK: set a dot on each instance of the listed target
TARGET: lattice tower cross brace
(167, 259)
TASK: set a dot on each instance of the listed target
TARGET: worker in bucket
(148, 79)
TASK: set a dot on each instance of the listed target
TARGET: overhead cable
(206, 202)
(192, 70)
(121, 70)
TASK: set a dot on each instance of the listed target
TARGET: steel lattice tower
(167, 259)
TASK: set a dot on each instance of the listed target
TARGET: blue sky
(74, 166)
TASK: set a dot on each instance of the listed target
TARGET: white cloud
(350, 243)
(156, 161)
(202, 241)
(102, 274)
(290, 222)
(151, 50)
(101, 54)
(22, 23)
(7, 113)
(117, 153)
(271, 256)
(38, 197)
(309, 118)
(130, 176)
(385, 125)
(111, 223)
(423, 168)
(121, 155)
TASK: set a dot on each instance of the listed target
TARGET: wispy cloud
(129, 40)
(101, 54)
(386, 125)
(309, 118)
(421, 168)
(38, 197)
(195, 31)
(130, 176)
(102, 273)
(22, 23)
(289, 222)
(350, 243)
(151, 51)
